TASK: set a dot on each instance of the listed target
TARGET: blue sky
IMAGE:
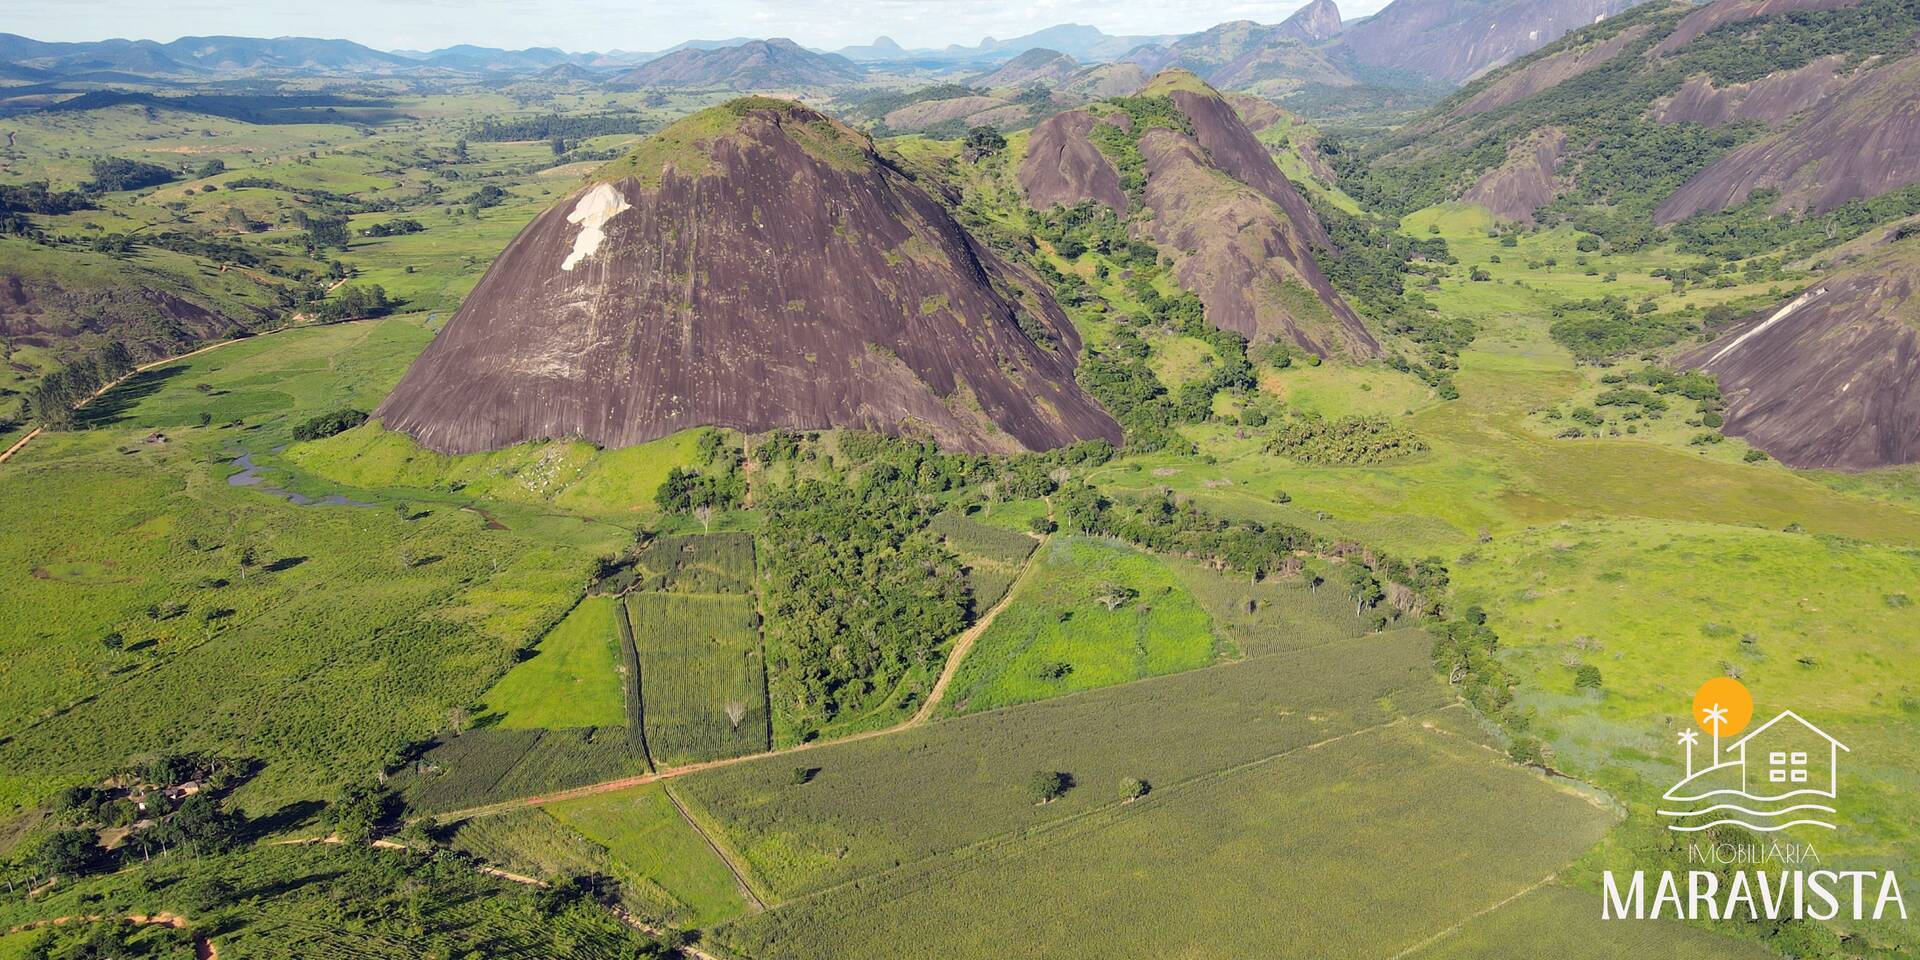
(629, 25)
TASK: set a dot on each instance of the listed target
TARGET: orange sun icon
(1722, 706)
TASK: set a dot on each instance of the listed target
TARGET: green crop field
(643, 833)
(703, 683)
(1383, 836)
(711, 563)
(574, 677)
(1092, 613)
(920, 792)
(491, 764)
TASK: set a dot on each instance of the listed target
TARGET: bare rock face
(1453, 40)
(754, 266)
(1547, 72)
(1772, 99)
(1831, 378)
(1529, 179)
(1241, 237)
(1063, 167)
(1315, 22)
(1860, 141)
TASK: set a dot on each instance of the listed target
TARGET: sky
(579, 25)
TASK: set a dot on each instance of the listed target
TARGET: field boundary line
(1463, 921)
(739, 876)
(1054, 831)
(668, 773)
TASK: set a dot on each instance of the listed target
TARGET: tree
(982, 141)
(359, 812)
(1587, 677)
(67, 851)
(1133, 788)
(1046, 786)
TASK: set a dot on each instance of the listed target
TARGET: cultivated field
(1092, 613)
(703, 686)
(643, 833)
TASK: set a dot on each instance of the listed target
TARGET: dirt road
(961, 645)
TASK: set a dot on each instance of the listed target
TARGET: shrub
(328, 424)
(1587, 677)
(1133, 788)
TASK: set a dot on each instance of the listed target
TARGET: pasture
(993, 555)
(572, 680)
(1093, 613)
(183, 612)
(492, 764)
(1356, 849)
(646, 836)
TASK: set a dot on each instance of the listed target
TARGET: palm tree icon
(1689, 737)
(1715, 717)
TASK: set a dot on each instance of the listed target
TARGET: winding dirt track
(961, 645)
(203, 948)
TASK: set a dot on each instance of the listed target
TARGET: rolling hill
(775, 64)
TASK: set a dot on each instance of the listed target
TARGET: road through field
(962, 643)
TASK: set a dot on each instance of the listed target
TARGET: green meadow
(1092, 613)
(574, 677)
(644, 833)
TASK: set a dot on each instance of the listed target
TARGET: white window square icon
(1777, 775)
(1799, 759)
(1799, 776)
(1776, 757)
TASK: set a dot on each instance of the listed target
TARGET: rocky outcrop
(1830, 378)
(1529, 179)
(1063, 167)
(1860, 141)
(1316, 22)
(1240, 236)
(1772, 99)
(1547, 72)
(1244, 55)
(1453, 40)
(1104, 80)
(1038, 65)
(754, 266)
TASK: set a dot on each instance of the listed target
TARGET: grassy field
(643, 832)
(1818, 625)
(874, 804)
(703, 685)
(1274, 615)
(159, 601)
(1093, 613)
(573, 475)
(490, 764)
(1557, 921)
(573, 679)
(993, 555)
(1384, 836)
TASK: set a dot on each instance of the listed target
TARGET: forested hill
(1671, 111)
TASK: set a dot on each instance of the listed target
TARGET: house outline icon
(1789, 773)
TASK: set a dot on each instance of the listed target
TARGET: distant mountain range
(1444, 41)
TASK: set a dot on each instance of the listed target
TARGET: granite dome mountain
(753, 266)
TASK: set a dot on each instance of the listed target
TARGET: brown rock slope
(1038, 65)
(1548, 71)
(1529, 179)
(753, 266)
(1239, 234)
(1860, 141)
(1771, 99)
(1832, 377)
(1453, 40)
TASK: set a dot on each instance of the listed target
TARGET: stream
(249, 476)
